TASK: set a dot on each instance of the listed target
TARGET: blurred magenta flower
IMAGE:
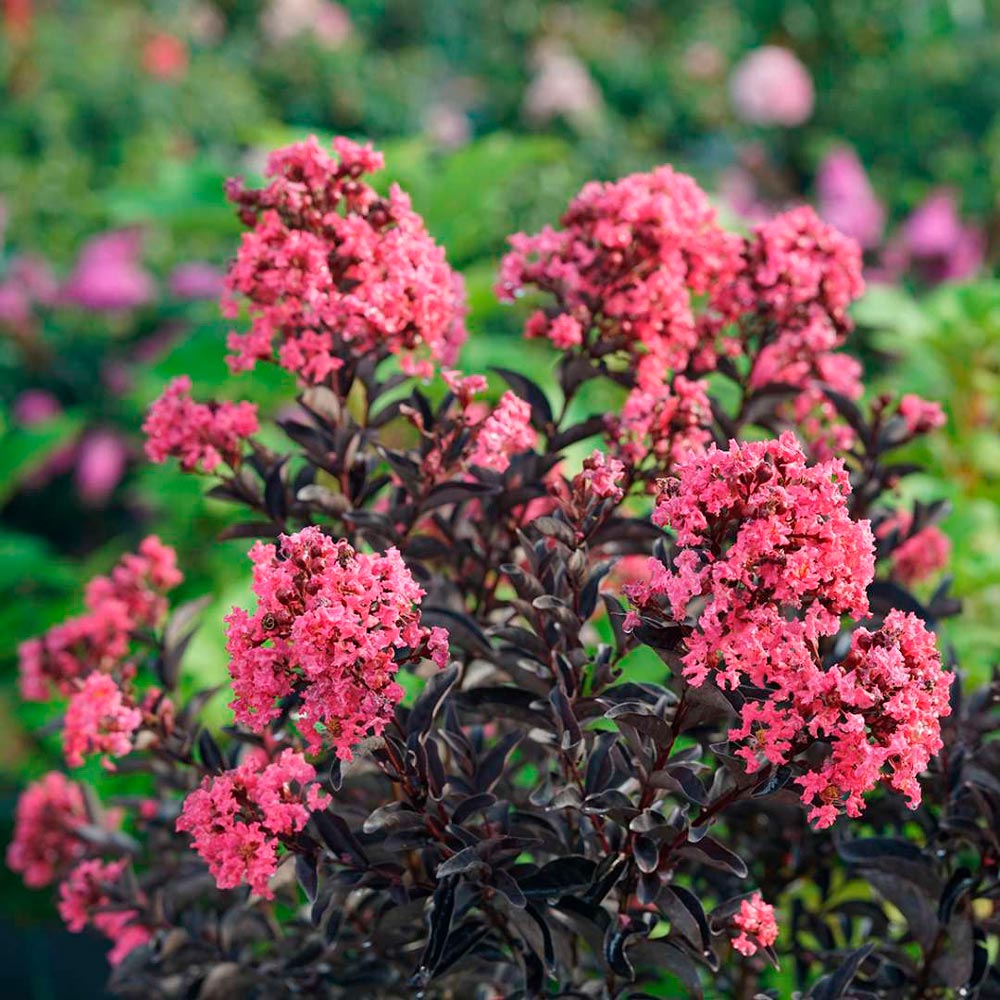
(935, 243)
(195, 280)
(100, 465)
(325, 22)
(771, 86)
(934, 227)
(846, 200)
(35, 406)
(108, 275)
(165, 57)
(29, 281)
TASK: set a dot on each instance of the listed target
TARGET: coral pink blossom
(331, 271)
(44, 844)
(771, 86)
(918, 554)
(165, 57)
(669, 421)
(626, 266)
(201, 435)
(331, 625)
(920, 415)
(601, 476)
(756, 924)
(794, 546)
(505, 432)
(768, 561)
(236, 819)
(130, 597)
(99, 719)
(880, 711)
(81, 899)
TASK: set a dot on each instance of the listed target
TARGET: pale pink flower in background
(447, 126)
(771, 86)
(205, 23)
(196, 280)
(703, 61)
(100, 466)
(327, 23)
(846, 200)
(108, 275)
(936, 240)
(561, 87)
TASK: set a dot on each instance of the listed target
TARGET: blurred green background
(121, 120)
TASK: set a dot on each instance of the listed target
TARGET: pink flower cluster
(331, 626)
(667, 420)
(100, 718)
(505, 432)
(773, 558)
(794, 547)
(880, 711)
(201, 435)
(756, 924)
(920, 415)
(801, 276)
(131, 597)
(600, 477)
(920, 554)
(332, 270)
(626, 266)
(45, 844)
(236, 819)
(83, 897)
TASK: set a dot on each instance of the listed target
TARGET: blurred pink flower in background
(325, 22)
(703, 61)
(100, 466)
(35, 406)
(108, 275)
(29, 281)
(771, 86)
(561, 87)
(935, 244)
(195, 280)
(165, 57)
(447, 126)
(846, 200)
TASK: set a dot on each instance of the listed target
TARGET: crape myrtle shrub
(533, 820)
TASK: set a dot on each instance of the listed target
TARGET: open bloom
(626, 266)
(83, 895)
(201, 435)
(236, 819)
(331, 271)
(99, 719)
(919, 554)
(505, 432)
(756, 924)
(45, 844)
(130, 597)
(332, 624)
